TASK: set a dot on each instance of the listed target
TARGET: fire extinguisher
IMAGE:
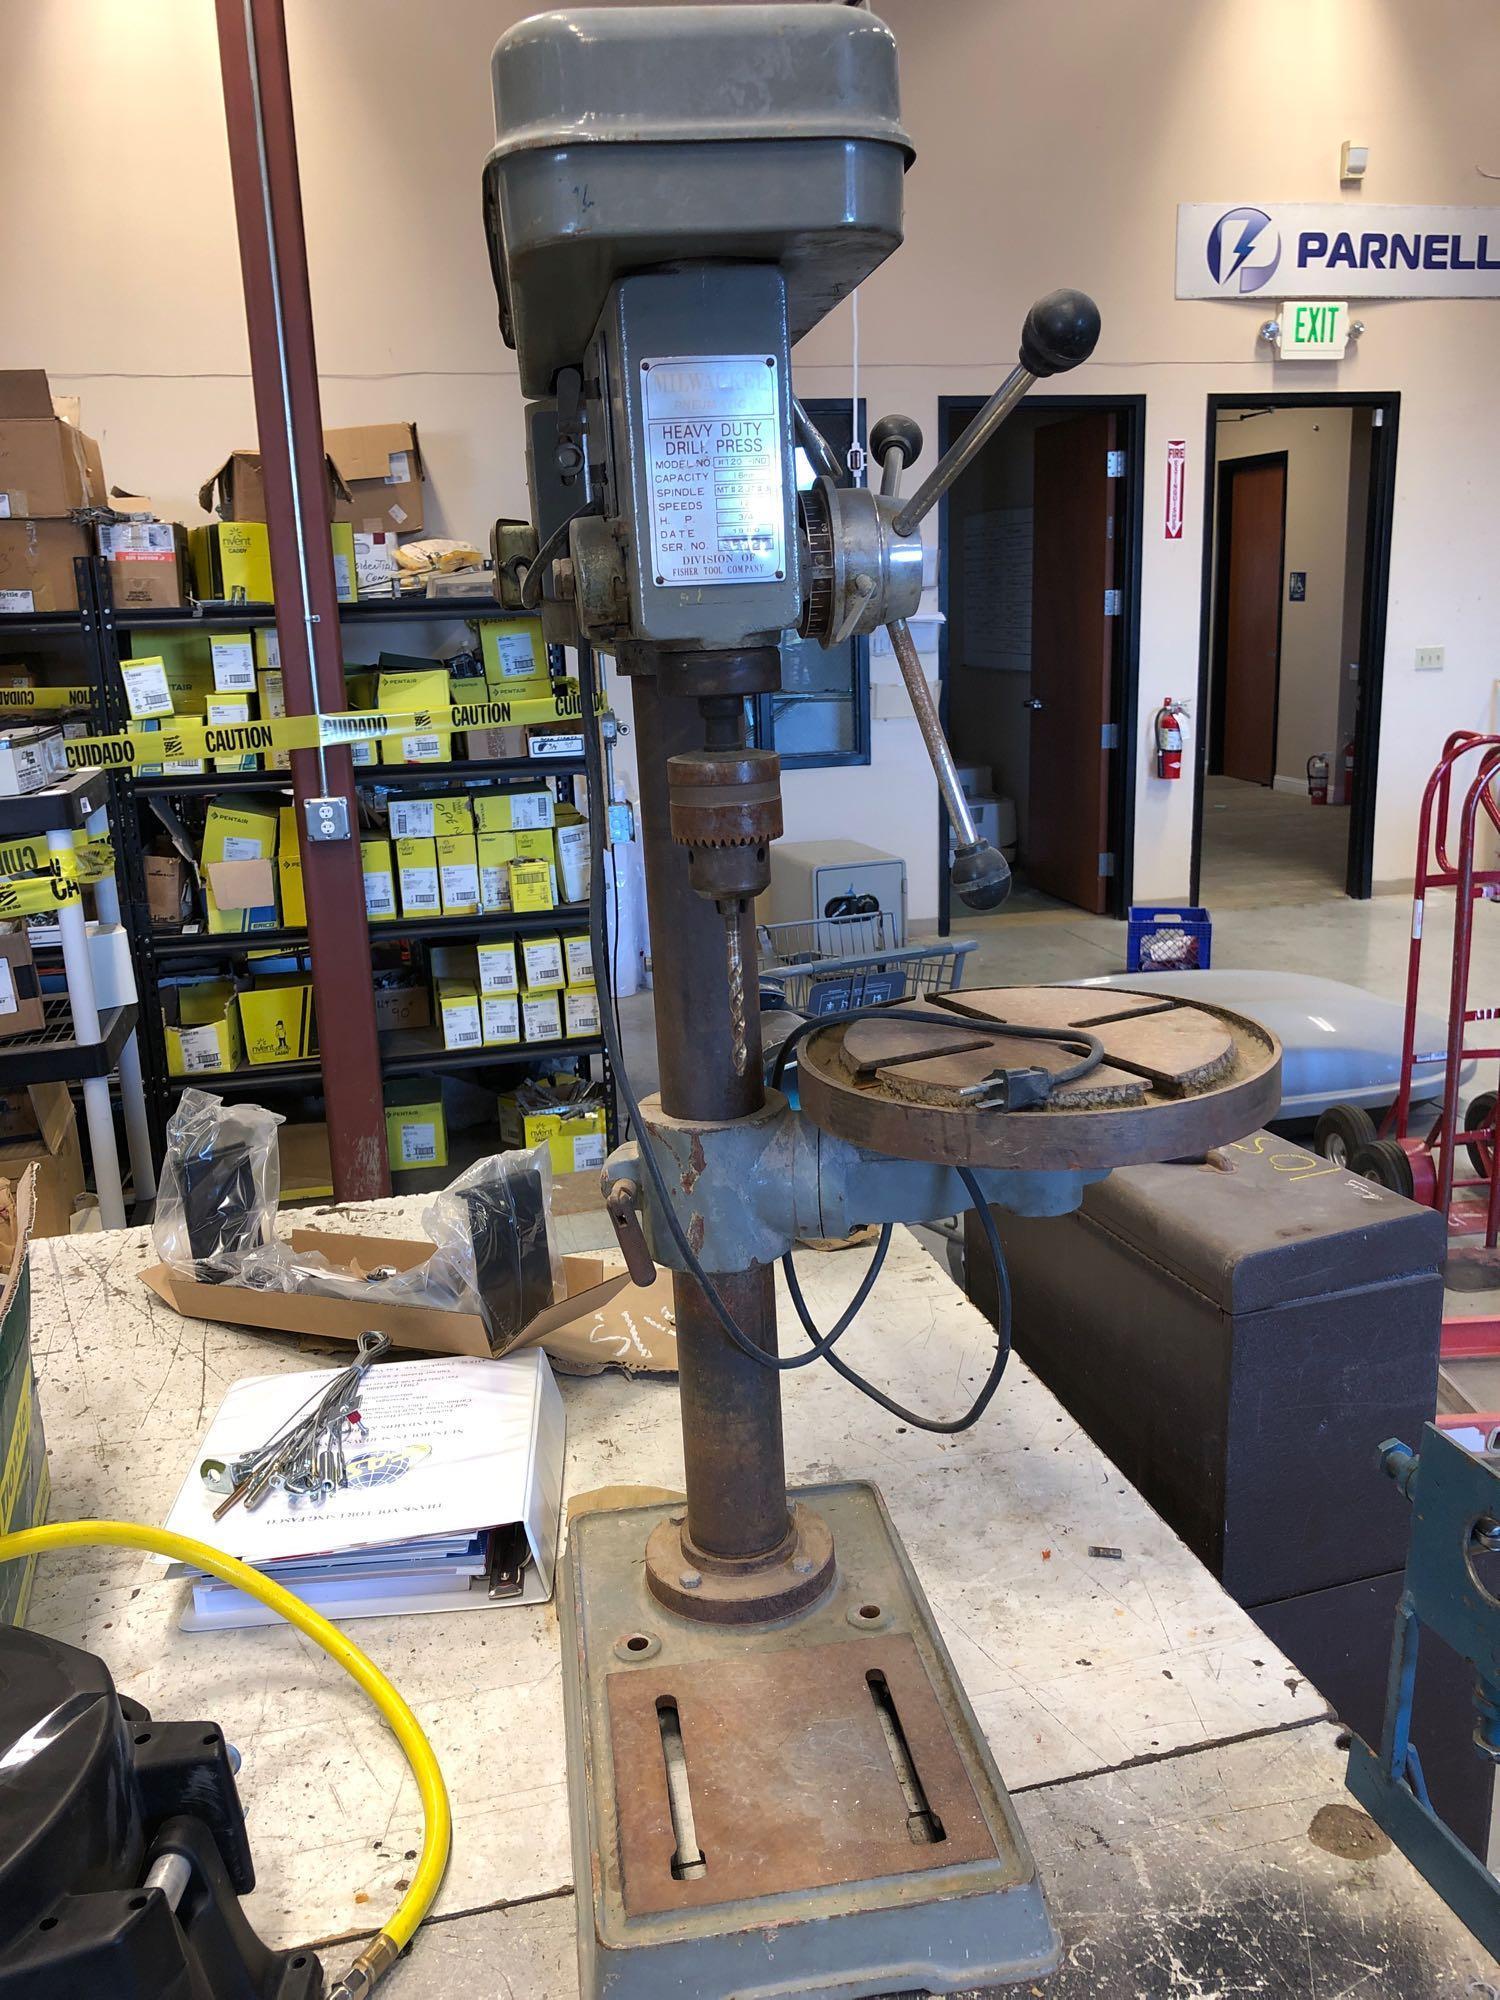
(1168, 731)
(1348, 771)
(1317, 779)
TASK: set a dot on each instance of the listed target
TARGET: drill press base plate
(800, 1809)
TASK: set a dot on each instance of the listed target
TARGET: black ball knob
(980, 876)
(903, 434)
(1060, 331)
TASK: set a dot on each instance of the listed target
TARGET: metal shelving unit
(163, 952)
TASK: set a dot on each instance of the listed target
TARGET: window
(821, 715)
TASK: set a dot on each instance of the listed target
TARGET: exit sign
(1314, 330)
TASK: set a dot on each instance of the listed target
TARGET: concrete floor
(1264, 846)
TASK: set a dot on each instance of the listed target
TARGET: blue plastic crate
(1168, 940)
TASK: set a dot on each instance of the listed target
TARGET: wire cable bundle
(1089, 1051)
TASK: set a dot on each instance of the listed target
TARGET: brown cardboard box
(402, 1007)
(423, 1328)
(36, 564)
(168, 887)
(147, 563)
(47, 467)
(56, 1154)
(21, 1009)
(381, 466)
(242, 489)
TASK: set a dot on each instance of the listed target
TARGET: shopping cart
(829, 964)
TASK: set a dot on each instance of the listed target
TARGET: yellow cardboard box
(417, 873)
(239, 829)
(458, 1010)
(514, 812)
(424, 819)
(289, 871)
(230, 559)
(232, 708)
(270, 692)
(541, 1017)
(497, 968)
(515, 657)
(380, 881)
(531, 886)
(575, 1141)
(496, 851)
(202, 1027)
(500, 1019)
(458, 873)
(542, 968)
(345, 573)
(399, 693)
(536, 844)
(416, 1133)
(578, 959)
(580, 1011)
(276, 1019)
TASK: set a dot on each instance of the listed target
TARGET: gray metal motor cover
(633, 137)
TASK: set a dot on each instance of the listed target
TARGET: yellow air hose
(381, 1954)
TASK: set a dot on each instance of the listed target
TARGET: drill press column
(731, 1409)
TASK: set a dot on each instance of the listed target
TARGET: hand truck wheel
(1479, 1114)
(1341, 1131)
(1384, 1162)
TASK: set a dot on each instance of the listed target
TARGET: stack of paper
(454, 1450)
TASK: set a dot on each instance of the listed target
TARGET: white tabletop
(1076, 1665)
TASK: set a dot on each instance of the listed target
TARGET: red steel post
(283, 362)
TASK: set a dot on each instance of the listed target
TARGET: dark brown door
(1072, 658)
(1252, 525)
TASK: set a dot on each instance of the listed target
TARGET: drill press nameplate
(806, 1808)
(714, 468)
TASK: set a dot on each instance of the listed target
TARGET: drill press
(777, 1784)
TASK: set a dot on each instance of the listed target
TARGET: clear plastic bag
(494, 1253)
(219, 1189)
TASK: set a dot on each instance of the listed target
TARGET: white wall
(1054, 140)
(1316, 443)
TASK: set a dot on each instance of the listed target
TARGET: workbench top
(1167, 1761)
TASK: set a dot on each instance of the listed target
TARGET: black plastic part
(512, 1263)
(1024, 1088)
(103, 1793)
(980, 876)
(905, 433)
(1060, 331)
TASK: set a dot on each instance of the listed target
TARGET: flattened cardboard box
(571, 1329)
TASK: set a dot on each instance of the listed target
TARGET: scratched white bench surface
(1075, 1665)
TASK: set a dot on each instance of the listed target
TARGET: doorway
(1296, 549)
(1039, 590)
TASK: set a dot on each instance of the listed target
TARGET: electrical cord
(376, 1959)
(531, 593)
(1091, 1054)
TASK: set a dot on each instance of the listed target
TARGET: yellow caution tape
(85, 861)
(190, 737)
(45, 892)
(60, 697)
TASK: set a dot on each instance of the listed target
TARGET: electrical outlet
(327, 819)
(1429, 659)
